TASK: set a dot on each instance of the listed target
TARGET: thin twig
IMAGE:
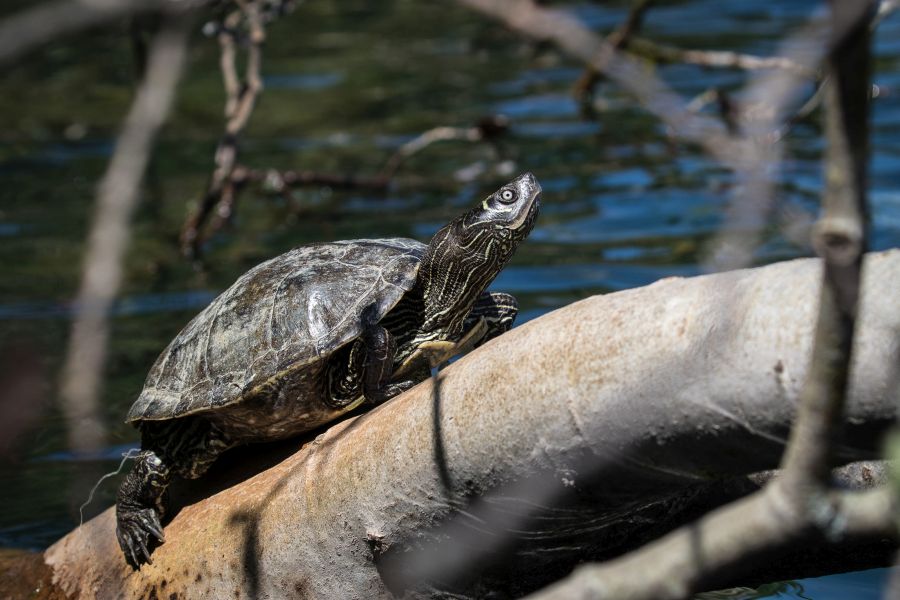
(109, 236)
(238, 110)
(241, 98)
(617, 40)
(663, 53)
(575, 39)
(438, 134)
(228, 63)
(283, 181)
(488, 128)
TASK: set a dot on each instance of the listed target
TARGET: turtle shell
(287, 312)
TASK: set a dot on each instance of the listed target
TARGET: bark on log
(616, 402)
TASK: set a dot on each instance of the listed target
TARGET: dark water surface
(346, 84)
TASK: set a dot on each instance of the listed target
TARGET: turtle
(306, 337)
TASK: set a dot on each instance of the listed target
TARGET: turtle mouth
(526, 182)
(524, 223)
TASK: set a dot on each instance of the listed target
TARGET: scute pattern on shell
(285, 313)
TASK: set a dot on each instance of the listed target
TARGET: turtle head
(511, 210)
(466, 255)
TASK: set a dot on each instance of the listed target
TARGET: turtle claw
(133, 530)
(153, 525)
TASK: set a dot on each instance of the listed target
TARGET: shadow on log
(574, 436)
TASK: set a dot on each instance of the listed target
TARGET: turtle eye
(507, 196)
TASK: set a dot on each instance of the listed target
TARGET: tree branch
(617, 399)
(576, 40)
(840, 238)
(618, 40)
(107, 243)
(703, 554)
(663, 53)
(749, 145)
(798, 503)
(487, 128)
(240, 100)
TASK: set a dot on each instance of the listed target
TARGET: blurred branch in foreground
(737, 147)
(800, 504)
(625, 38)
(107, 243)
(745, 138)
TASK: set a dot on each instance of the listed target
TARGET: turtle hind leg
(140, 503)
(497, 309)
(185, 447)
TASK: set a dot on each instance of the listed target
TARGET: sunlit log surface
(615, 402)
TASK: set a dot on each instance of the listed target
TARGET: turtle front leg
(379, 367)
(367, 369)
(139, 507)
(492, 314)
(497, 309)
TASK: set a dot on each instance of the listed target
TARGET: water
(346, 85)
(862, 585)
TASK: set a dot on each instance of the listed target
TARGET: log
(567, 434)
